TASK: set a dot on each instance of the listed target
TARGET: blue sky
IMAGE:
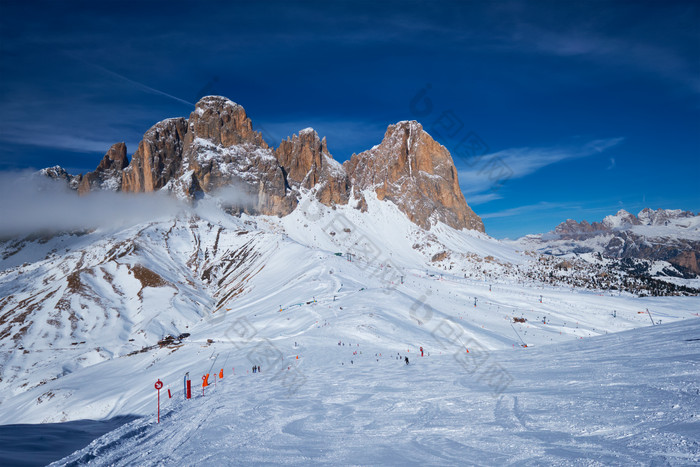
(552, 110)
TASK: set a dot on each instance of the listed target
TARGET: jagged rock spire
(217, 147)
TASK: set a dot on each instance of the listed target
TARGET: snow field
(588, 387)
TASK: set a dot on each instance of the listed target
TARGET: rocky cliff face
(223, 123)
(223, 150)
(623, 220)
(216, 148)
(417, 174)
(308, 164)
(158, 158)
(108, 174)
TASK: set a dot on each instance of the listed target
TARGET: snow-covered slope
(86, 328)
(328, 302)
(623, 399)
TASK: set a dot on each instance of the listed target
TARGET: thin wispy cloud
(663, 62)
(521, 162)
(543, 206)
(137, 84)
(475, 200)
(48, 137)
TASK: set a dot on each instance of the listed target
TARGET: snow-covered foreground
(595, 381)
(628, 398)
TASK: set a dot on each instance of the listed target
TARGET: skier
(258, 368)
(406, 359)
(421, 351)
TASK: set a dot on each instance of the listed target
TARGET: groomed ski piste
(512, 371)
(623, 399)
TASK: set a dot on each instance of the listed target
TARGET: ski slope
(329, 334)
(627, 398)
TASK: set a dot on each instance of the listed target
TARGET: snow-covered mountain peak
(308, 130)
(621, 219)
(662, 216)
(215, 102)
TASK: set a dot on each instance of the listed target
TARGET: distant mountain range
(659, 243)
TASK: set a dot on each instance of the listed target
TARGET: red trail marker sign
(159, 385)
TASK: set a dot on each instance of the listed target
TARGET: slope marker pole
(652, 319)
(159, 385)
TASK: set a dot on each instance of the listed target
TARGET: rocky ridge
(663, 235)
(217, 147)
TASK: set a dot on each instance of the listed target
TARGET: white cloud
(33, 203)
(493, 169)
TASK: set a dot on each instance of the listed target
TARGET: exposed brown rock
(222, 122)
(687, 260)
(217, 148)
(437, 257)
(308, 164)
(158, 158)
(564, 265)
(417, 174)
(108, 174)
(223, 150)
